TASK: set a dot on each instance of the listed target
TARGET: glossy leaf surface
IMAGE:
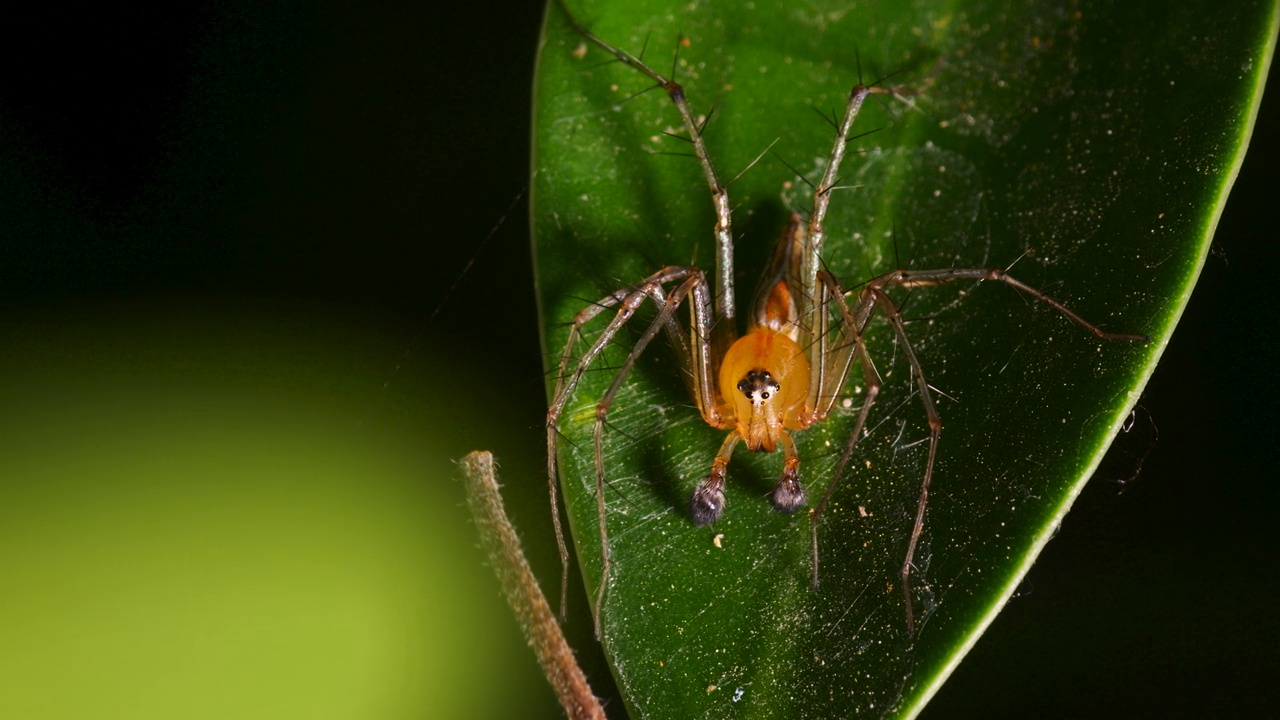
(1093, 144)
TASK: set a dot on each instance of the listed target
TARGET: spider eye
(758, 385)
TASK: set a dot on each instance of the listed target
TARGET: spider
(784, 373)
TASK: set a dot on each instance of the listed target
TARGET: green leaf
(1092, 144)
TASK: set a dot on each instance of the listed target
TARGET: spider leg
(848, 343)
(724, 299)
(810, 291)
(788, 495)
(560, 398)
(692, 284)
(707, 502)
(874, 297)
(942, 276)
(627, 301)
(830, 177)
(836, 356)
(890, 310)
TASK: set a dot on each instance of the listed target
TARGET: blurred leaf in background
(226, 434)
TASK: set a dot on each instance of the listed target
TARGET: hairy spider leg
(874, 296)
(692, 284)
(724, 299)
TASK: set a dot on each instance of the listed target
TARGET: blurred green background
(227, 428)
(228, 418)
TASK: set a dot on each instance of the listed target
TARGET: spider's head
(764, 379)
(762, 421)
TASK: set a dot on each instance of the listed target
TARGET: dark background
(348, 163)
